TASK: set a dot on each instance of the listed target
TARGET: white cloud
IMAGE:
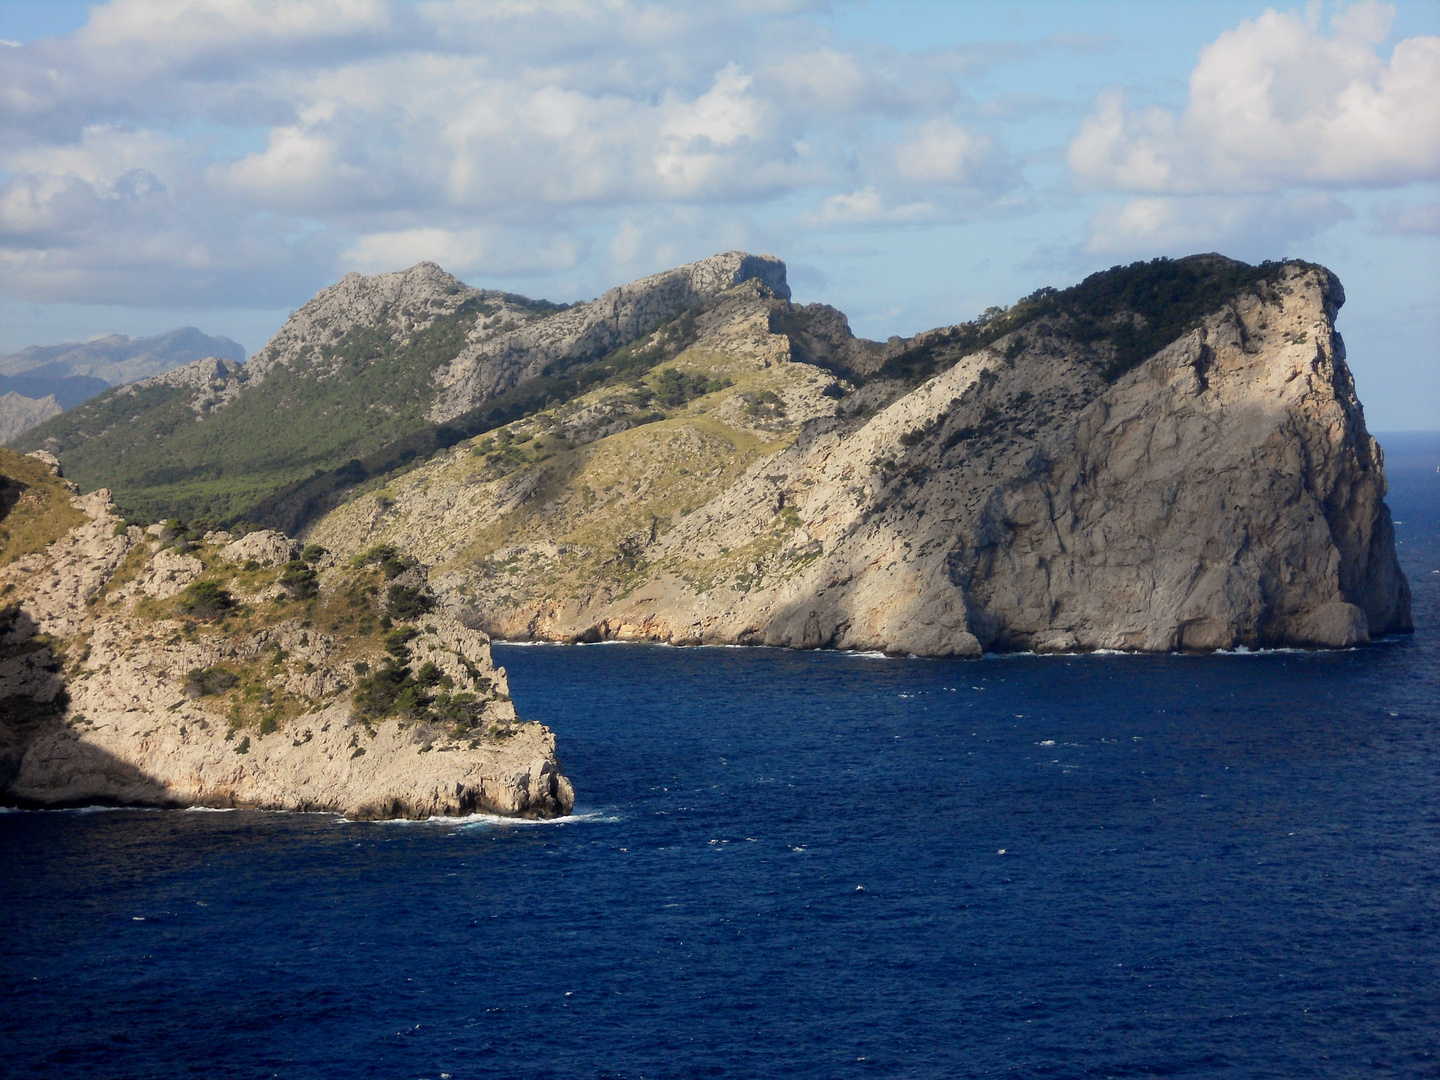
(942, 153)
(510, 137)
(867, 207)
(485, 251)
(181, 27)
(1277, 103)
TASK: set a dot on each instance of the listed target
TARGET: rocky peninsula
(1169, 456)
(162, 667)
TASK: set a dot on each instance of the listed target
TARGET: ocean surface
(804, 865)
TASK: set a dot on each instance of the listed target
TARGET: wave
(471, 821)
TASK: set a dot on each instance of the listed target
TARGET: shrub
(674, 387)
(392, 564)
(202, 682)
(407, 601)
(397, 641)
(206, 600)
(767, 403)
(299, 580)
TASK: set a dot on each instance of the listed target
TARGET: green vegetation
(291, 506)
(766, 405)
(161, 458)
(1133, 310)
(391, 563)
(35, 508)
(205, 600)
(674, 388)
(202, 682)
(417, 694)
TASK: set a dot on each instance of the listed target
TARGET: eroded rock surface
(112, 691)
(1034, 494)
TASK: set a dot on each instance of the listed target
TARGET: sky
(216, 162)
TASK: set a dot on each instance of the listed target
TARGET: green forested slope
(163, 458)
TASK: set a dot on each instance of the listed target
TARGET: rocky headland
(1166, 456)
(165, 667)
(1170, 456)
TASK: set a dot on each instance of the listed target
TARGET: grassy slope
(588, 500)
(35, 507)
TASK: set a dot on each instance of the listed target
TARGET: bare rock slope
(1028, 483)
(156, 668)
(18, 413)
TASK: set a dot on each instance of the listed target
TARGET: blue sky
(215, 162)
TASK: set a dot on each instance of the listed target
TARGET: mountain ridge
(694, 458)
(365, 364)
(987, 488)
(42, 381)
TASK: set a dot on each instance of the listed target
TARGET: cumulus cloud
(1407, 219)
(1278, 103)
(256, 140)
(487, 251)
(868, 207)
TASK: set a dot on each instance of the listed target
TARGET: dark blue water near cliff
(804, 865)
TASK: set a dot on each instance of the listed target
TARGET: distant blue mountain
(69, 390)
(77, 371)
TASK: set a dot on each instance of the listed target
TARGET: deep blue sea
(804, 865)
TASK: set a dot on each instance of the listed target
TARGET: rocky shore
(151, 667)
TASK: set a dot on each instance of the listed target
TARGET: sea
(787, 864)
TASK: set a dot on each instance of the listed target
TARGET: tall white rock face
(1224, 493)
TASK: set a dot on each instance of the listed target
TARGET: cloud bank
(241, 153)
(238, 150)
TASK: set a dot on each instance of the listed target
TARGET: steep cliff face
(155, 668)
(1060, 484)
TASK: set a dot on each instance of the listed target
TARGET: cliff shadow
(44, 758)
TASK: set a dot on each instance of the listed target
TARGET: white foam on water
(476, 820)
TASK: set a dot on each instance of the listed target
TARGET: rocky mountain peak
(401, 301)
(494, 365)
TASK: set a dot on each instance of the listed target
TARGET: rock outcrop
(588, 331)
(1043, 490)
(160, 668)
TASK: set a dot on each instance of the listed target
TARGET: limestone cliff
(161, 667)
(585, 331)
(1093, 469)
